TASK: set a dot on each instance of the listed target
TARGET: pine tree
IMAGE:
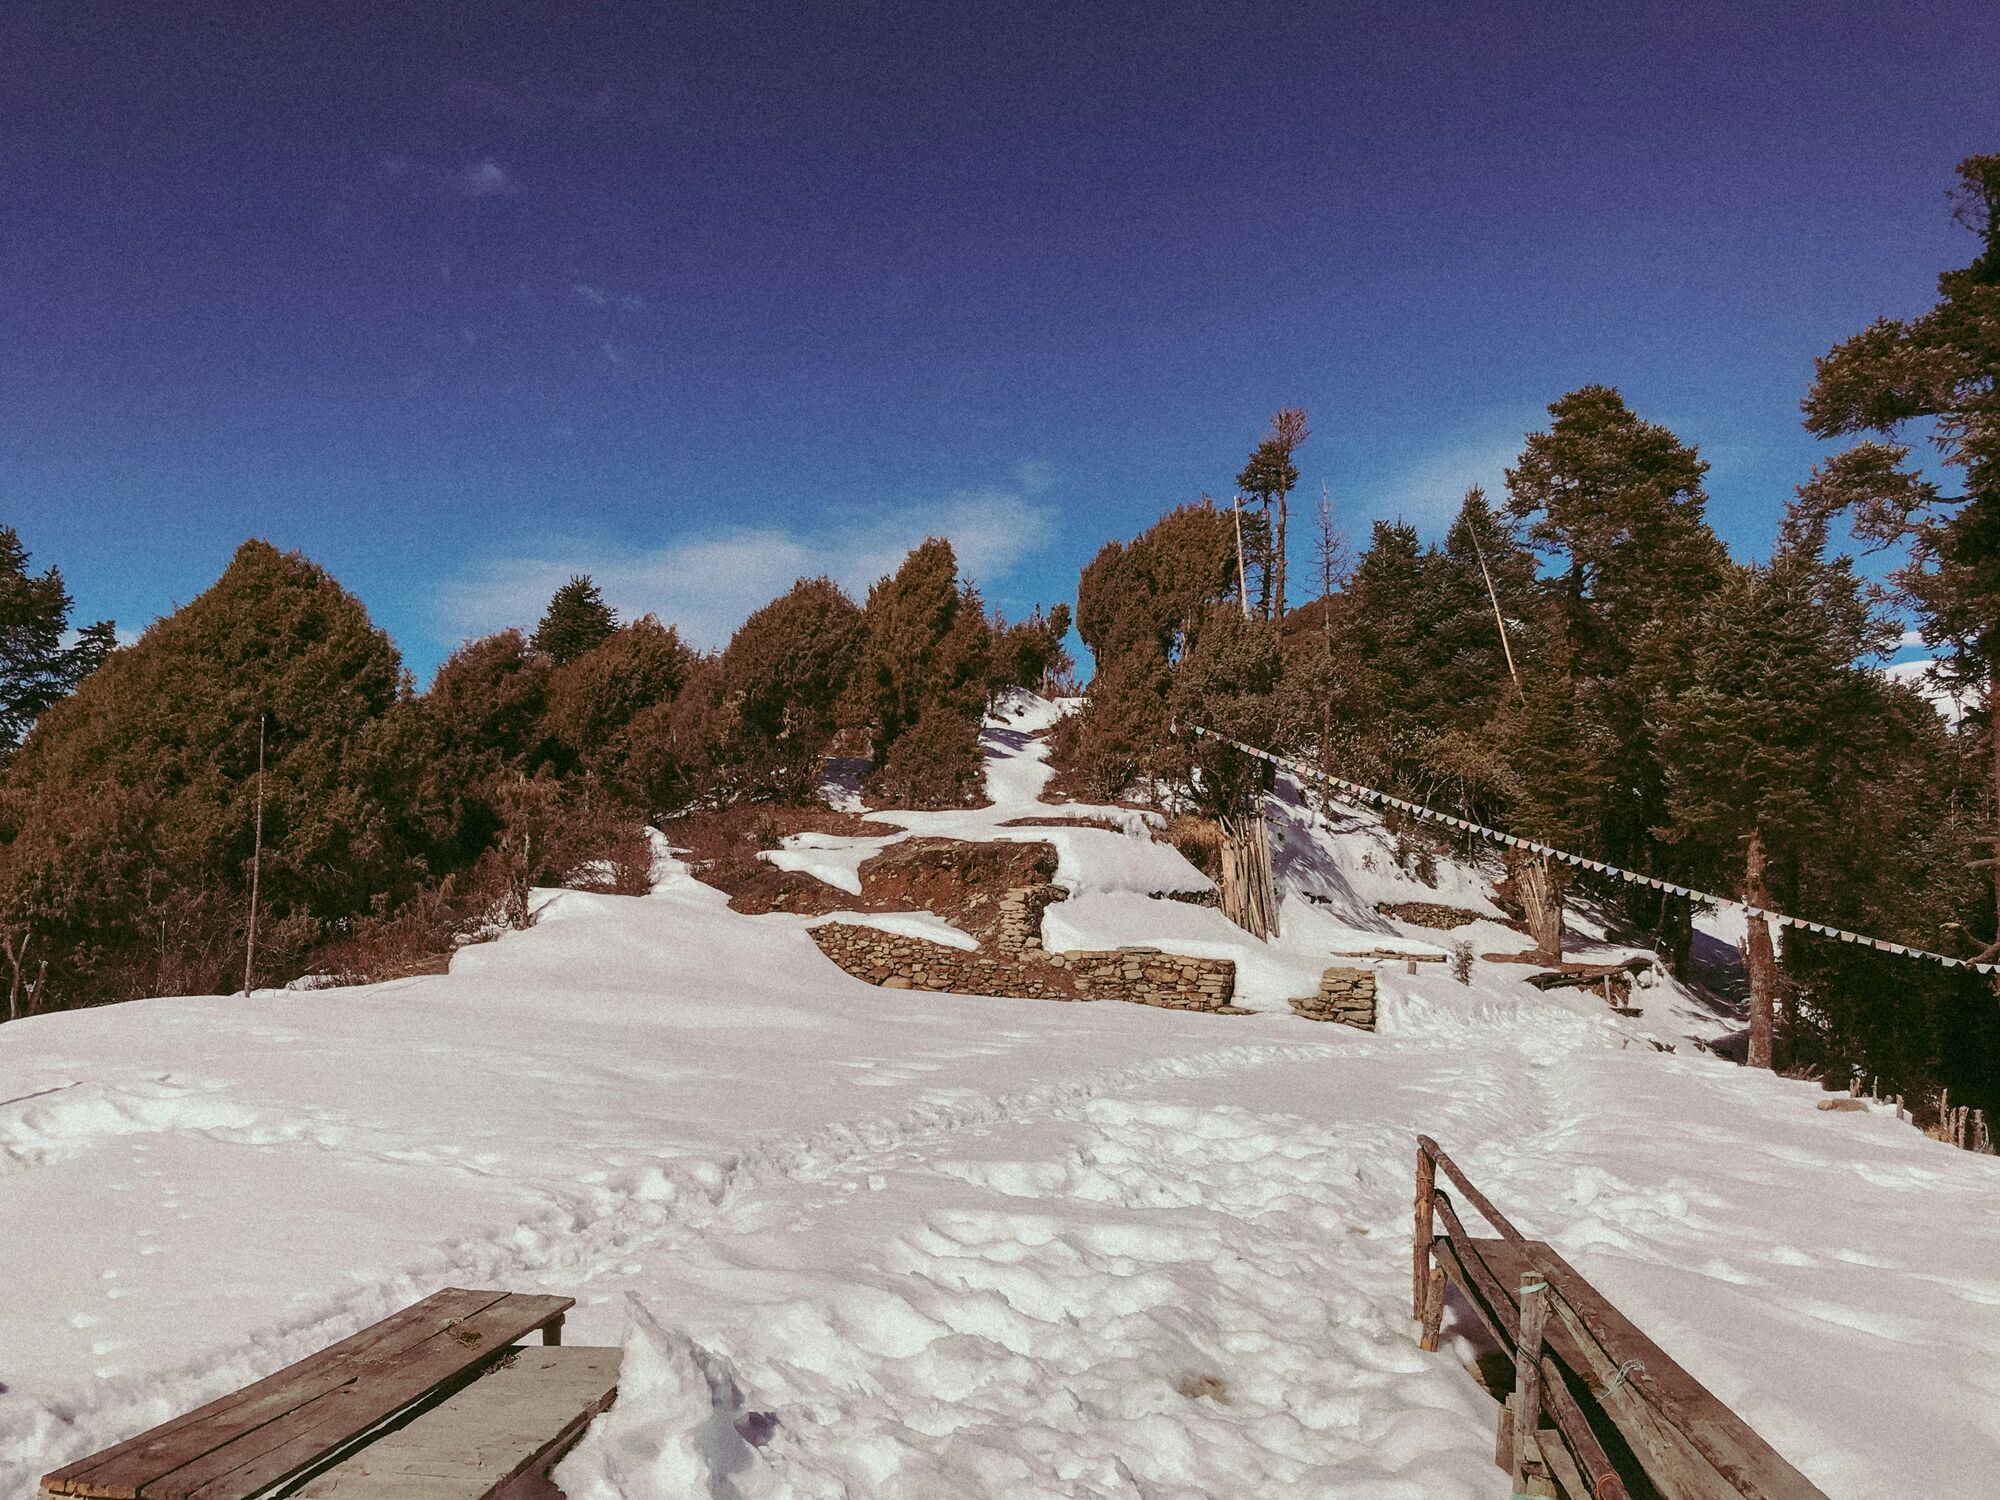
(36, 667)
(1775, 717)
(129, 808)
(1616, 502)
(1139, 609)
(576, 620)
(757, 722)
(926, 652)
(1942, 367)
(596, 698)
(1271, 477)
(1232, 682)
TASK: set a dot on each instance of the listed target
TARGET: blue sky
(699, 298)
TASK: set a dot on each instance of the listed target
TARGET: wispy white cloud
(1428, 491)
(485, 179)
(584, 292)
(708, 582)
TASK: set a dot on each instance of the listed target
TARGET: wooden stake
(1242, 577)
(1499, 620)
(1421, 1248)
(1530, 1473)
(1433, 1310)
(256, 863)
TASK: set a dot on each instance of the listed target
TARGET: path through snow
(862, 1241)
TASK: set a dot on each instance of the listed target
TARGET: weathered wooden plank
(282, 1447)
(519, 1418)
(1749, 1464)
(1461, 1257)
(117, 1472)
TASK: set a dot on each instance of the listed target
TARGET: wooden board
(1684, 1437)
(270, 1429)
(515, 1421)
(1745, 1462)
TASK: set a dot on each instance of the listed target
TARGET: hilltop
(899, 1242)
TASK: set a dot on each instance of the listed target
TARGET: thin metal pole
(256, 862)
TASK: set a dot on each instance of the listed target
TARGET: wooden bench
(1598, 1410)
(434, 1400)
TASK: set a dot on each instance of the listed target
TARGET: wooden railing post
(1531, 1474)
(1421, 1249)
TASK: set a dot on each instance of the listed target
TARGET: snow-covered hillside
(861, 1241)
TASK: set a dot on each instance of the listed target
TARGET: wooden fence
(1598, 1411)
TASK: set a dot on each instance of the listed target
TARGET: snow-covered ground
(890, 1243)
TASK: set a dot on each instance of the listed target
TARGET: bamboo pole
(256, 862)
(1499, 620)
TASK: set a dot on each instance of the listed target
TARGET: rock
(1843, 1105)
(897, 982)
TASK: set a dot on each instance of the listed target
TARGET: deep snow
(898, 1244)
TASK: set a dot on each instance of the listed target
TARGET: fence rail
(1627, 1422)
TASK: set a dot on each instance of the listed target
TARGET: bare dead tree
(22, 998)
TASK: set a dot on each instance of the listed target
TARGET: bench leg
(552, 1330)
(1433, 1310)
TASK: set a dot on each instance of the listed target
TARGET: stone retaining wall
(1345, 996)
(1144, 976)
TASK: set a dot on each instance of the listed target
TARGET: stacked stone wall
(1345, 996)
(1143, 976)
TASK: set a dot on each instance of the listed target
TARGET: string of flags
(1370, 795)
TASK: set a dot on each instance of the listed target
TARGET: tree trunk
(1758, 954)
(1278, 556)
(1533, 877)
(1993, 733)
(1249, 893)
(1264, 584)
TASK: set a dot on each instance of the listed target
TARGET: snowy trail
(950, 1246)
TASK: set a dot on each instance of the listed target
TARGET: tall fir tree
(576, 620)
(39, 666)
(1942, 367)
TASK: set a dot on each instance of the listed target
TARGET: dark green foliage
(1140, 608)
(1943, 366)
(1616, 503)
(595, 699)
(1231, 682)
(129, 809)
(756, 724)
(36, 667)
(1029, 653)
(934, 763)
(577, 620)
(926, 652)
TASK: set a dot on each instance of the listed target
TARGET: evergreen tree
(128, 811)
(483, 723)
(926, 651)
(1270, 476)
(576, 620)
(1942, 367)
(757, 723)
(1772, 731)
(1616, 502)
(595, 698)
(1139, 609)
(37, 668)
